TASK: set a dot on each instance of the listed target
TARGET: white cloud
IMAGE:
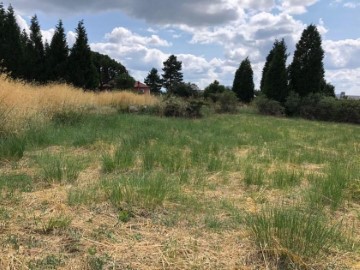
(296, 6)
(121, 35)
(346, 80)
(342, 53)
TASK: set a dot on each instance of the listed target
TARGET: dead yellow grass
(20, 102)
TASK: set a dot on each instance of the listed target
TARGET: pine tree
(269, 58)
(275, 81)
(243, 85)
(12, 54)
(57, 55)
(307, 69)
(154, 81)
(82, 71)
(36, 57)
(172, 73)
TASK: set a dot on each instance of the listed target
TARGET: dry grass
(20, 103)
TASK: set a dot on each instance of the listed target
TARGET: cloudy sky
(210, 37)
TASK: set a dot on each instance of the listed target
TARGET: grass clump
(254, 176)
(59, 168)
(283, 179)
(12, 148)
(146, 191)
(290, 236)
(331, 188)
(12, 182)
(60, 222)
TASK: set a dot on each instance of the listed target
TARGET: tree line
(26, 57)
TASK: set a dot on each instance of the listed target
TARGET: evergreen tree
(108, 70)
(307, 69)
(243, 85)
(82, 71)
(2, 33)
(269, 58)
(57, 55)
(154, 81)
(172, 73)
(275, 81)
(213, 90)
(36, 53)
(11, 49)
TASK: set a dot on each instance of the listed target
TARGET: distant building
(141, 88)
(344, 96)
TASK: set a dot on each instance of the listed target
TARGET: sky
(210, 37)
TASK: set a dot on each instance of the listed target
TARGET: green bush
(226, 102)
(269, 107)
(178, 107)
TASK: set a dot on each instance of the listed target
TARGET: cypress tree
(82, 71)
(243, 85)
(172, 73)
(154, 81)
(36, 52)
(12, 54)
(266, 68)
(275, 81)
(57, 55)
(307, 69)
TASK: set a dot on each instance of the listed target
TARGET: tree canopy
(307, 69)
(243, 85)
(275, 80)
(154, 81)
(172, 73)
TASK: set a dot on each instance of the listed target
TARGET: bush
(324, 108)
(226, 102)
(177, 107)
(269, 107)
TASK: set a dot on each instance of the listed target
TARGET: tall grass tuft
(59, 168)
(146, 191)
(292, 236)
(331, 188)
(12, 148)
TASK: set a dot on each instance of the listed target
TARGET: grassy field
(121, 191)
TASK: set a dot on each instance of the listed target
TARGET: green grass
(292, 236)
(208, 177)
(59, 168)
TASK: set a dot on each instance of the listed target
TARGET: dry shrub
(21, 102)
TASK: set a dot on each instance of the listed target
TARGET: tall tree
(307, 69)
(36, 53)
(213, 90)
(81, 69)
(154, 81)
(108, 70)
(172, 73)
(11, 49)
(57, 55)
(275, 80)
(269, 58)
(243, 85)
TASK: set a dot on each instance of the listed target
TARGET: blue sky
(210, 37)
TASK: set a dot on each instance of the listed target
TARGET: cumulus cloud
(342, 53)
(121, 35)
(296, 6)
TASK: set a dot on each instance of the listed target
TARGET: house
(141, 88)
(344, 96)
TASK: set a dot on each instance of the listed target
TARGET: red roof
(140, 85)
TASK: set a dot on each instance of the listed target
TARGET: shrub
(177, 107)
(269, 107)
(226, 102)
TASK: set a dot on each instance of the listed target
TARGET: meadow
(97, 188)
